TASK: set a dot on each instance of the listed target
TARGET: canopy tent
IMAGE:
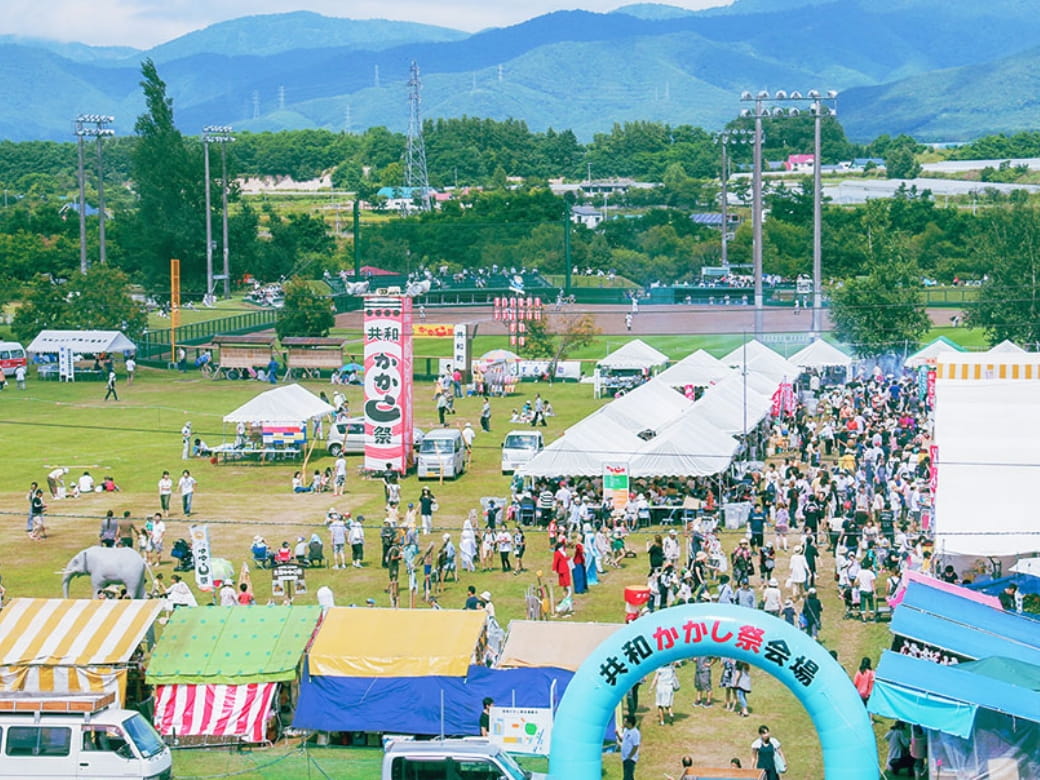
(288, 405)
(1006, 348)
(987, 423)
(963, 626)
(947, 698)
(396, 643)
(972, 594)
(733, 408)
(821, 354)
(928, 353)
(90, 341)
(690, 446)
(636, 354)
(216, 670)
(648, 407)
(756, 356)
(539, 643)
(584, 449)
(71, 645)
(1027, 584)
(1027, 566)
(699, 369)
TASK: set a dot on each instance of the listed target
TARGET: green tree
(556, 339)
(305, 313)
(1008, 306)
(883, 311)
(901, 162)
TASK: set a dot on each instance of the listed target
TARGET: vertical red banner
(930, 392)
(388, 382)
(933, 469)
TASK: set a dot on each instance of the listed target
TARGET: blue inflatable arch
(632, 652)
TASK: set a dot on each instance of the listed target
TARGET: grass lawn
(52, 424)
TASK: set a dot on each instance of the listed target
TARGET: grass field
(134, 439)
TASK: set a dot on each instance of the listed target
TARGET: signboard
(200, 552)
(522, 730)
(930, 394)
(565, 369)
(615, 484)
(422, 330)
(460, 350)
(287, 579)
(388, 382)
(66, 368)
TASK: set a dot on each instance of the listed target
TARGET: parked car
(441, 454)
(519, 447)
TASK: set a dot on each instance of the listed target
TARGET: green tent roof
(1009, 670)
(232, 645)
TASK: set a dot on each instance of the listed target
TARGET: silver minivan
(441, 454)
(475, 758)
(519, 447)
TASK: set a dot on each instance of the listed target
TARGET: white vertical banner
(200, 552)
(66, 369)
(461, 350)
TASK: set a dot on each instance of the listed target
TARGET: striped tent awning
(214, 710)
(71, 645)
(986, 366)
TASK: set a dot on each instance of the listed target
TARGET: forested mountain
(573, 69)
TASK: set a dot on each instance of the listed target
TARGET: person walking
(356, 538)
(186, 440)
(630, 739)
(864, 680)
(339, 479)
(109, 528)
(19, 377)
(485, 416)
(131, 370)
(767, 755)
(338, 537)
(165, 490)
(664, 684)
(186, 485)
(31, 498)
(743, 686)
(110, 386)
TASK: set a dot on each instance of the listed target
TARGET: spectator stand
(307, 357)
(239, 355)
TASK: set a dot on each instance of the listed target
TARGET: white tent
(758, 357)
(699, 369)
(821, 354)
(987, 425)
(1006, 348)
(690, 447)
(636, 354)
(89, 341)
(290, 405)
(927, 355)
(648, 407)
(733, 408)
(583, 450)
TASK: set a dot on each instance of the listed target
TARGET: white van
(78, 736)
(475, 759)
(441, 454)
(12, 355)
(519, 447)
(347, 437)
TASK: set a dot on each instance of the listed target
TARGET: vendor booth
(274, 424)
(627, 367)
(240, 356)
(756, 356)
(37, 656)
(59, 354)
(926, 356)
(539, 643)
(690, 446)
(213, 679)
(833, 365)
(308, 357)
(649, 407)
(584, 450)
(698, 369)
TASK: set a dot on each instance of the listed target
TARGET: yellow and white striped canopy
(71, 645)
(985, 366)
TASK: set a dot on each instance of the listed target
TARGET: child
(788, 612)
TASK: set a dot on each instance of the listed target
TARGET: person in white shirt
(86, 483)
(165, 490)
(19, 377)
(865, 582)
(186, 485)
(228, 597)
(131, 370)
(179, 594)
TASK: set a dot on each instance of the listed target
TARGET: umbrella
(348, 367)
(499, 356)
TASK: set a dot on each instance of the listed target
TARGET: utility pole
(99, 131)
(725, 138)
(819, 111)
(357, 238)
(416, 174)
(217, 134)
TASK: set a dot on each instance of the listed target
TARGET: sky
(145, 23)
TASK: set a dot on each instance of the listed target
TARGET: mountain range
(940, 70)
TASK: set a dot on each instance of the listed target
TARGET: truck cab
(451, 759)
(78, 736)
(519, 447)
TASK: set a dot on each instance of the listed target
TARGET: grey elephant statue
(107, 566)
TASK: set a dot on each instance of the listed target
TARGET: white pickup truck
(451, 759)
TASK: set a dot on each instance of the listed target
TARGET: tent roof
(963, 626)
(649, 406)
(929, 352)
(762, 359)
(289, 404)
(584, 449)
(690, 446)
(820, 354)
(944, 698)
(396, 642)
(557, 645)
(699, 369)
(635, 354)
(724, 406)
(1006, 347)
(74, 632)
(1009, 670)
(92, 341)
(232, 645)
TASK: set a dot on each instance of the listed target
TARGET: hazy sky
(144, 23)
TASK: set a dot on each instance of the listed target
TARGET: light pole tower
(216, 134)
(726, 137)
(92, 126)
(415, 173)
(819, 111)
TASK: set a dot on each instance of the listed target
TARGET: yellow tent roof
(559, 645)
(355, 642)
(71, 632)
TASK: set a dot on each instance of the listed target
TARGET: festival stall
(627, 367)
(824, 357)
(58, 351)
(927, 354)
(649, 407)
(72, 645)
(756, 356)
(1006, 348)
(697, 370)
(584, 450)
(733, 406)
(217, 669)
(542, 644)
(308, 357)
(276, 422)
(239, 355)
(690, 446)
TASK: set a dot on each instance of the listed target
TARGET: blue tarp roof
(1027, 584)
(965, 627)
(944, 698)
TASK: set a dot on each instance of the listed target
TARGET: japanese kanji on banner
(388, 382)
(615, 484)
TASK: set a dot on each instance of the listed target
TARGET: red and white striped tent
(217, 669)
